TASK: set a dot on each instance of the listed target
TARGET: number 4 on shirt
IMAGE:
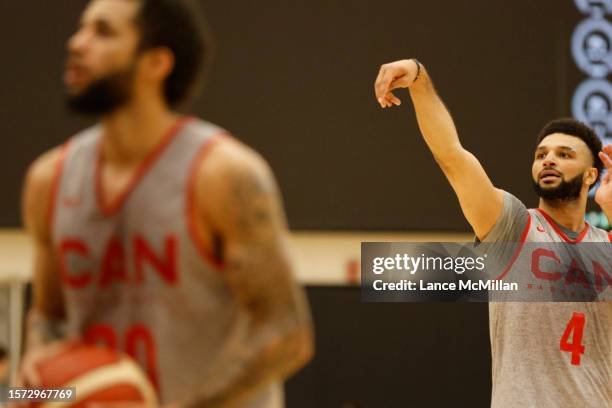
(574, 328)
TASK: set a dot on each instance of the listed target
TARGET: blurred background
(294, 79)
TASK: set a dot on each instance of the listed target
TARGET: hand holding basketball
(99, 375)
(28, 374)
(398, 74)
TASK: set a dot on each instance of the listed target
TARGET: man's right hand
(398, 74)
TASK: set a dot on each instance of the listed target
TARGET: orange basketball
(98, 374)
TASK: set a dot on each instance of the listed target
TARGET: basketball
(97, 374)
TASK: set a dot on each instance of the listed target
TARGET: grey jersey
(134, 275)
(536, 355)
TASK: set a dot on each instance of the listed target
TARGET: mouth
(74, 74)
(549, 176)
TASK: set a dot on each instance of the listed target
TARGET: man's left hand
(603, 196)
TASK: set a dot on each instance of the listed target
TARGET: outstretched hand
(603, 196)
(398, 74)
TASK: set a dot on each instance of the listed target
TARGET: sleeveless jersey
(549, 354)
(134, 276)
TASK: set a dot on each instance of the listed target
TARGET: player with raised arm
(543, 354)
(157, 233)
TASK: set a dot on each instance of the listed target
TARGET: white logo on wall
(592, 51)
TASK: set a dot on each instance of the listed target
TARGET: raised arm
(239, 197)
(480, 201)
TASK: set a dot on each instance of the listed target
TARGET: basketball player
(530, 343)
(156, 233)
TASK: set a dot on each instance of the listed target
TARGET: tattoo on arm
(259, 271)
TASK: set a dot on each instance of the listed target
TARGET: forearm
(276, 359)
(434, 119)
(278, 339)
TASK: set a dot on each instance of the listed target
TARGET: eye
(540, 156)
(103, 29)
(563, 155)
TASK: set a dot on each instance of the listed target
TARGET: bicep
(480, 201)
(247, 213)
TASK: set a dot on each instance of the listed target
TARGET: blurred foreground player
(155, 233)
(535, 361)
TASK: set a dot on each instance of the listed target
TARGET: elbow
(307, 346)
(451, 159)
(292, 349)
(301, 340)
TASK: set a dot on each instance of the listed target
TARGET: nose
(78, 42)
(549, 160)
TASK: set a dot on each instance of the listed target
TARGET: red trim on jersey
(561, 233)
(191, 210)
(57, 176)
(518, 250)
(108, 209)
(610, 236)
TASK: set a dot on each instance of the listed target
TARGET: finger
(378, 83)
(385, 81)
(388, 79)
(387, 102)
(607, 149)
(31, 376)
(390, 100)
(607, 161)
(393, 99)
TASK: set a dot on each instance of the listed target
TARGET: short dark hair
(573, 127)
(178, 25)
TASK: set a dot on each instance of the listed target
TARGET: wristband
(418, 64)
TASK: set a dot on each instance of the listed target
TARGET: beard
(566, 190)
(104, 95)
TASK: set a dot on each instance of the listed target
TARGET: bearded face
(564, 190)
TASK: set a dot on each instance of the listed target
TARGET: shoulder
(228, 162)
(234, 186)
(512, 223)
(41, 172)
(38, 188)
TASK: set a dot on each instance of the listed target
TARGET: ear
(590, 176)
(158, 63)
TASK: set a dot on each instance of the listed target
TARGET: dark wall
(394, 355)
(294, 79)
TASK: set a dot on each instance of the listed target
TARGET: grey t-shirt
(529, 367)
